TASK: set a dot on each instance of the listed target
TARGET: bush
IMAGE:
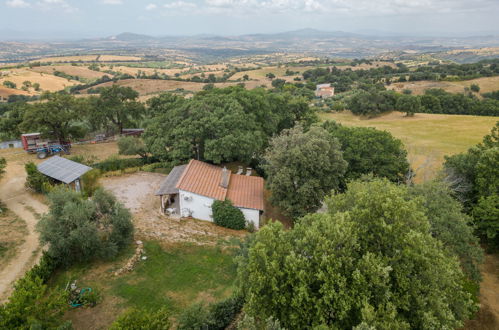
(137, 319)
(227, 215)
(36, 180)
(114, 163)
(217, 316)
(90, 182)
(78, 229)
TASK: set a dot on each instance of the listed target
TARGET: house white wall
(200, 208)
(251, 215)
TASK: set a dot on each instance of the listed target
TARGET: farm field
(80, 71)
(12, 233)
(427, 137)
(48, 82)
(487, 84)
(89, 58)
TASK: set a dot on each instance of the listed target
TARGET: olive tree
(301, 168)
(370, 262)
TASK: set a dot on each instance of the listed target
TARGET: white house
(189, 190)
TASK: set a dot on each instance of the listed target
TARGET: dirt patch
(12, 232)
(488, 316)
(136, 192)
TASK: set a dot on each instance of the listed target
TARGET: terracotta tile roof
(246, 191)
(204, 179)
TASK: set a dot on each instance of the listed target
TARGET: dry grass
(88, 58)
(487, 84)
(48, 82)
(12, 233)
(427, 137)
(79, 71)
(6, 92)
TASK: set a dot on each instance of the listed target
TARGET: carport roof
(169, 185)
(62, 169)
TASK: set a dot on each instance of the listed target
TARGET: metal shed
(64, 170)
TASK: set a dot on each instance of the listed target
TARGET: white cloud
(112, 2)
(56, 5)
(17, 4)
(181, 5)
(151, 6)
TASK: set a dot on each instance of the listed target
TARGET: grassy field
(48, 82)
(487, 84)
(89, 58)
(173, 277)
(79, 71)
(427, 137)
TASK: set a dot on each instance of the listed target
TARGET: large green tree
(116, 107)
(79, 229)
(370, 151)
(450, 225)
(58, 115)
(369, 262)
(302, 167)
(474, 177)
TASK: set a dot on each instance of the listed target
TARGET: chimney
(224, 180)
(248, 171)
(240, 170)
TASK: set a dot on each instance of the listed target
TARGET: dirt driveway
(136, 192)
(24, 205)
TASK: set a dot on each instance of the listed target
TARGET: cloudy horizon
(98, 18)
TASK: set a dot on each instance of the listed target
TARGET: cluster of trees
(220, 125)
(64, 117)
(303, 166)
(373, 102)
(344, 80)
(474, 177)
(378, 257)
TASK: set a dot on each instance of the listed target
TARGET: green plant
(227, 215)
(90, 182)
(36, 180)
(139, 319)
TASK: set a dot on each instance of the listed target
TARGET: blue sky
(97, 18)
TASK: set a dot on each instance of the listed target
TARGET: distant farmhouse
(64, 170)
(324, 91)
(190, 190)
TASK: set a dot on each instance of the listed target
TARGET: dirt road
(19, 200)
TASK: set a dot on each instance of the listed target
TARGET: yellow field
(88, 58)
(427, 137)
(487, 84)
(47, 82)
(80, 71)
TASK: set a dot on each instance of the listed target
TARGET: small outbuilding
(324, 91)
(64, 170)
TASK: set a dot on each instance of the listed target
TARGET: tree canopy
(59, 116)
(370, 261)
(370, 151)
(79, 229)
(220, 125)
(302, 167)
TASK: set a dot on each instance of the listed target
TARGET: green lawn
(177, 277)
(174, 277)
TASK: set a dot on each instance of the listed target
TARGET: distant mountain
(128, 36)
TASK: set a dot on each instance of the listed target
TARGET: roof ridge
(183, 174)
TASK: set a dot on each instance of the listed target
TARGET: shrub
(227, 215)
(137, 319)
(114, 163)
(36, 180)
(90, 182)
(78, 229)
(195, 317)
(475, 88)
(217, 316)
